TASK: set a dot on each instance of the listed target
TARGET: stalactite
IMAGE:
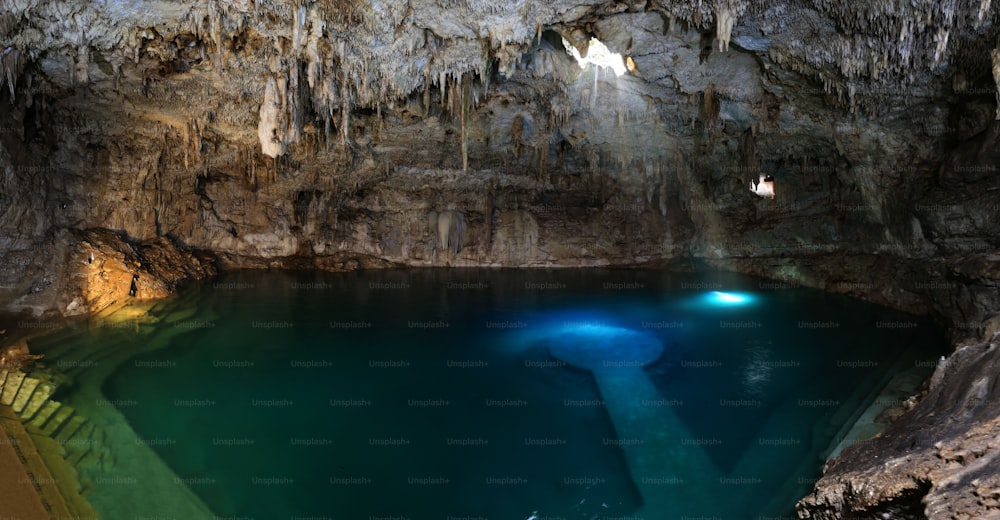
(215, 13)
(270, 128)
(314, 57)
(710, 107)
(464, 116)
(593, 94)
(443, 83)
(81, 75)
(995, 53)
(292, 105)
(345, 114)
(516, 131)
(12, 62)
(984, 7)
(941, 44)
(427, 87)
(724, 25)
(543, 160)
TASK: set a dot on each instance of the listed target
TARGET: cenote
(454, 393)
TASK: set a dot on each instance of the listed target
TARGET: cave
(343, 259)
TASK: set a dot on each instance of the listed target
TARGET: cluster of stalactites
(60, 25)
(894, 41)
(872, 47)
(722, 13)
(342, 72)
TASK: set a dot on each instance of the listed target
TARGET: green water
(433, 394)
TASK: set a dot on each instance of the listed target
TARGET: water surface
(435, 393)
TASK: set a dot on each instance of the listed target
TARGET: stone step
(3, 377)
(91, 459)
(71, 427)
(24, 394)
(779, 442)
(654, 449)
(107, 460)
(38, 400)
(80, 443)
(11, 386)
(43, 415)
(57, 420)
(60, 344)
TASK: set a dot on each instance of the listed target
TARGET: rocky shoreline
(935, 461)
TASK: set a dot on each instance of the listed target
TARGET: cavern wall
(328, 133)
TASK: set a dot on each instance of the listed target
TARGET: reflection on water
(489, 394)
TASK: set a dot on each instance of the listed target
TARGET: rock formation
(449, 228)
(936, 461)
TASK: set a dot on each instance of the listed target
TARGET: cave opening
(597, 54)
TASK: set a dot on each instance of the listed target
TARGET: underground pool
(480, 394)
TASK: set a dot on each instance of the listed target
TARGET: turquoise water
(436, 394)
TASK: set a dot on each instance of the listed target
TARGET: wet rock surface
(936, 461)
(90, 271)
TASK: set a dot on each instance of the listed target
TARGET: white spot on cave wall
(599, 55)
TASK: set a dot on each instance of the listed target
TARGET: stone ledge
(934, 460)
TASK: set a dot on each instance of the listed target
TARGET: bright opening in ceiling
(599, 55)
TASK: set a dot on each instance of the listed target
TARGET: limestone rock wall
(280, 134)
(86, 272)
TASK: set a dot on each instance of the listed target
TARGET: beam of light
(599, 55)
(595, 329)
(602, 347)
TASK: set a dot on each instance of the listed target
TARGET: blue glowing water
(727, 299)
(437, 393)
